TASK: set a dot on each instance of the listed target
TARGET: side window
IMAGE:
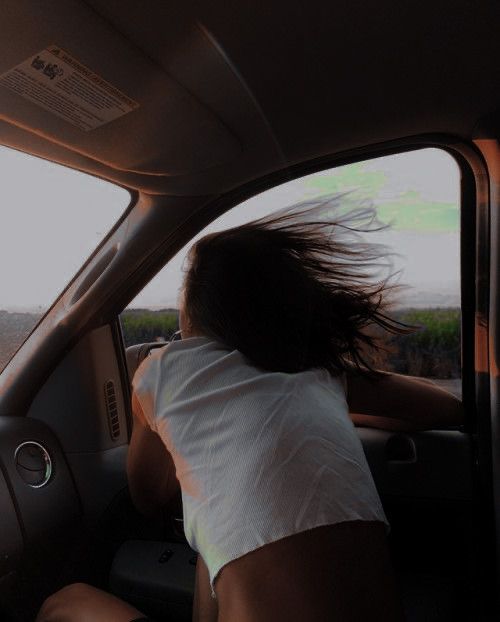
(417, 194)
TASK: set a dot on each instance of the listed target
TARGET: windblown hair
(296, 290)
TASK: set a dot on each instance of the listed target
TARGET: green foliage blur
(144, 325)
(403, 211)
(431, 350)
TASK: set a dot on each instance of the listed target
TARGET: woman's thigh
(205, 607)
(336, 572)
(79, 602)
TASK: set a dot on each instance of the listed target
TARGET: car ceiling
(229, 92)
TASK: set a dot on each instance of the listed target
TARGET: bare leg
(205, 608)
(83, 603)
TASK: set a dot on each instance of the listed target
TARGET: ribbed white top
(259, 455)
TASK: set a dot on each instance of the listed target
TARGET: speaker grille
(112, 409)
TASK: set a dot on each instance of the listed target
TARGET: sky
(53, 218)
(416, 193)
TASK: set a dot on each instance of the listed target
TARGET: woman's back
(259, 455)
(333, 573)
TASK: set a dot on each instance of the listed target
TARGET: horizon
(416, 193)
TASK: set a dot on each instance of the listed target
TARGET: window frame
(474, 298)
(475, 253)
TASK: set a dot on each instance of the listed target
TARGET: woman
(248, 415)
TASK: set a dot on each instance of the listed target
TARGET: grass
(432, 350)
(143, 325)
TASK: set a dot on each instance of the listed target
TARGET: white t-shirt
(259, 455)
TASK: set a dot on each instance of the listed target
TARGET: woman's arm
(396, 402)
(150, 468)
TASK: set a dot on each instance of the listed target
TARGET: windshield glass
(52, 218)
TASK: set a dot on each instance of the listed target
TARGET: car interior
(203, 105)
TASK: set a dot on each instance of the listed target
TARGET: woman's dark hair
(295, 290)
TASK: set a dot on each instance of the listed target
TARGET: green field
(431, 350)
(143, 325)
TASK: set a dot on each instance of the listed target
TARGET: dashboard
(37, 493)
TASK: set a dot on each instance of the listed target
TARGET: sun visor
(69, 77)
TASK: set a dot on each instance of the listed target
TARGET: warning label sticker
(56, 81)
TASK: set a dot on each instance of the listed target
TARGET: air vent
(112, 408)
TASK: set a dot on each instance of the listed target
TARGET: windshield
(52, 219)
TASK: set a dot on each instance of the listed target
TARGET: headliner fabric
(259, 455)
(230, 94)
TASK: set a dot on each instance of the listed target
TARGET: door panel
(83, 401)
(425, 482)
(435, 464)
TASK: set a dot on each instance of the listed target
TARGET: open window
(417, 198)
